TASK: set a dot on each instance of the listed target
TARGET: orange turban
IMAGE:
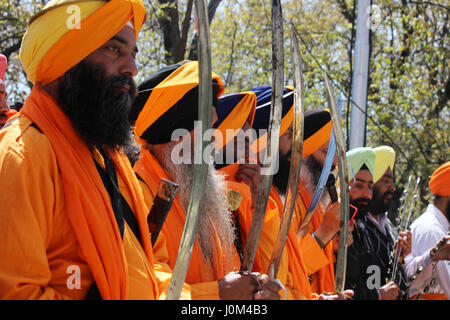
(233, 110)
(164, 93)
(317, 130)
(440, 180)
(54, 41)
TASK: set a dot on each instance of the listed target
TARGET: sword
(320, 185)
(161, 206)
(200, 168)
(341, 261)
(399, 250)
(296, 159)
(272, 138)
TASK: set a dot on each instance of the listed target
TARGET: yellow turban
(384, 159)
(440, 180)
(54, 43)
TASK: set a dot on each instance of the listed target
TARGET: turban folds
(317, 130)
(52, 43)
(384, 159)
(233, 110)
(263, 110)
(168, 100)
(3, 64)
(358, 157)
(440, 180)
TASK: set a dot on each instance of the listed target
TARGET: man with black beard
(374, 237)
(316, 245)
(164, 114)
(73, 219)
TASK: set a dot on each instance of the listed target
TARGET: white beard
(215, 218)
(311, 180)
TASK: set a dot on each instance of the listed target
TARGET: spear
(200, 168)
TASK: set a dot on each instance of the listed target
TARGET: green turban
(358, 157)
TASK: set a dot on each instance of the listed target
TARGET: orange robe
(297, 268)
(202, 275)
(319, 263)
(290, 273)
(39, 243)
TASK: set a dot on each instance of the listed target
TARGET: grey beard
(215, 218)
(310, 176)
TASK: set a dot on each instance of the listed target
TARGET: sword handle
(331, 187)
(160, 208)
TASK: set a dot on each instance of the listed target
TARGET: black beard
(98, 111)
(363, 209)
(377, 205)
(280, 179)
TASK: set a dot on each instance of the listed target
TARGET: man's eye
(113, 49)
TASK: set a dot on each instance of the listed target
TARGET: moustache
(361, 202)
(123, 83)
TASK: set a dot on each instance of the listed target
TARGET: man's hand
(346, 295)
(250, 173)
(405, 242)
(269, 289)
(330, 225)
(389, 291)
(248, 286)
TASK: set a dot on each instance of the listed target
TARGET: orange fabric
(243, 111)
(268, 235)
(245, 213)
(200, 270)
(39, 243)
(261, 143)
(440, 180)
(297, 269)
(314, 142)
(431, 296)
(320, 262)
(11, 114)
(94, 31)
(87, 202)
(169, 92)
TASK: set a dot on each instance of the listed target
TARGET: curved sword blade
(296, 158)
(267, 169)
(200, 168)
(341, 260)
(320, 185)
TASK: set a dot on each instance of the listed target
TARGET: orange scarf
(244, 212)
(86, 200)
(297, 267)
(151, 172)
(325, 276)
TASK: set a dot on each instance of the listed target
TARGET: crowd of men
(81, 164)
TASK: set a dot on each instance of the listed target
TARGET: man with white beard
(168, 101)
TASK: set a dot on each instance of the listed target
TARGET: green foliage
(409, 89)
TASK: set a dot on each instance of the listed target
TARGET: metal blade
(296, 158)
(200, 168)
(273, 138)
(341, 260)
